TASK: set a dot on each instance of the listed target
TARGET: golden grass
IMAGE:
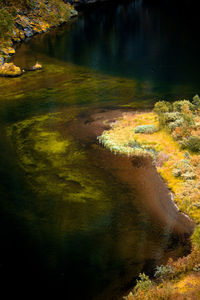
(186, 195)
(122, 134)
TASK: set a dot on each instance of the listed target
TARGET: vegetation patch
(145, 129)
(176, 146)
(55, 166)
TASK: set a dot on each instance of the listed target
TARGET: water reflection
(151, 43)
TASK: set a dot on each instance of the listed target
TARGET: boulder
(10, 70)
(7, 51)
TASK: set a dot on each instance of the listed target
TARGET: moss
(55, 167)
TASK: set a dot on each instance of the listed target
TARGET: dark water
(70, 220)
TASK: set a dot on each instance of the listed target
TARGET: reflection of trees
(131, 39)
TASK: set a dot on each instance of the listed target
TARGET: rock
(8, 51)
(1, 60)
(10, 70)
(73, 13)
(23, 23)
(36, 67)
(28, 31)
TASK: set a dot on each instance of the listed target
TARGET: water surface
(73, 216)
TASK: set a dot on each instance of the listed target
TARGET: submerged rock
(36, 67)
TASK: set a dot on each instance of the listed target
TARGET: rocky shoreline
(28, 23)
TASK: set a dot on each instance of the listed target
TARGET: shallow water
(74, 217)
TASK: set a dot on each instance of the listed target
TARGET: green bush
(172, 117)
(144, 283)
(145, 129)
(184, 170)
(162, 107)
(175, 124)
(196, 101)
(178, 105)
(6, 23)
(163, 272)
(195, 238)
(192, 143)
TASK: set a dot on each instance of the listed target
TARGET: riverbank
(22, 20)
(169, 135)
(155, 196)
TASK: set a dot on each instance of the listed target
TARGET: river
(75, 218)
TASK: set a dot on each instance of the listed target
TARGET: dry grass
(119, 138)
(184, 282)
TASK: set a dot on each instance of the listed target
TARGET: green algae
(55, 166)
(69, 84)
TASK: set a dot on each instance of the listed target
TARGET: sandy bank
(137, 172)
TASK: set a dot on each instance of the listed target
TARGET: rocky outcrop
(28, 22)
(83, 2)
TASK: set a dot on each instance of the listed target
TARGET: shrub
(162, 107)
(196, 101)
(192, 143)
(172, 117)
(163, 272)
(176, 124)
(145, 129)
(196, 237)
(178, 133)
(184, 170)
(187, 115)
(178, 105)
(144, 283)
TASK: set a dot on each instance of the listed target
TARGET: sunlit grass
(121, 139)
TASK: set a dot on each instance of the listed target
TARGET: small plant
(162, 272)
(172, 117)
(197, 268)
(162, 107)
(184, 170)
(178, 123)
(192, 143)
(196, 237)
(196, 101)
(145, 129)
(178, 105)
(144, 282)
